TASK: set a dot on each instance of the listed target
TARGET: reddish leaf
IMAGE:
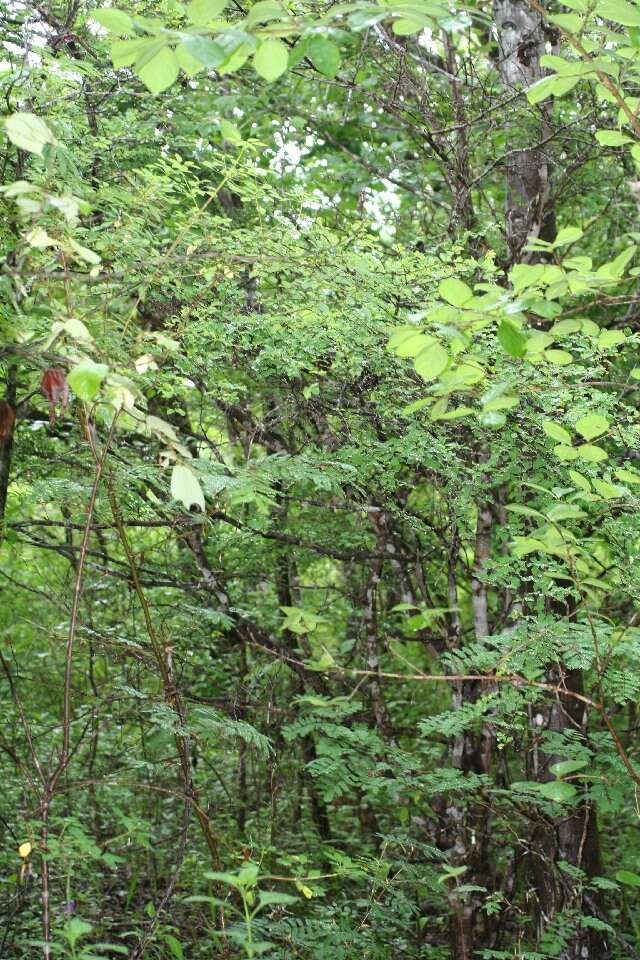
(56, 389)
(7, 420)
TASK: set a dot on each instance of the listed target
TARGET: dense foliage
(319, 430)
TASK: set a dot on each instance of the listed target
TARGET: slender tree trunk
(6, 444)
(529, 209)
(472, 753)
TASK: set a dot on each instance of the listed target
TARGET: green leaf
(522, 546)
(84, 253)
(85, 379)
(28, 132)
(405, 26)
(506, 402)
(263, 11)
(324, 55)
(580, 481)
(628, 476)
(414, 344)
(175, 947)
(628, 878)
(591, 453)
(209, 53)
(612, 138)
(619, 11)
(511, 339)
(609, 338)
(556, 432)
(161, 71)
(564, 511)
(608, 491)
(433, 361)
(494, 419)
(113, 20)
(126, 52)
(567, 235)
(541, 89)
(564, 767)
(565, 452)
(558, 357)
(229, 131)
(186, 488)
(557, 790)
(524, 511)
(271, 59)
(455, 292)
(592, 426)
(271, 897)
(188, 63)
(201, 12)
(568, 21)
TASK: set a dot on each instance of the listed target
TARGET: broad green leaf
(556, 432)
(628, 476)
(561, 358)
(405, 26)
(581, 481)
(541, 89)
(505, 402)
(612, 138)
(591, 453)
(186, 488)
(209, 53)
(524, 511)
(557, 790)
(522, 546)
(161, 71)
(494, 419)
(568, 21)
(628, 878)
(271, 59)
(619, 11)
(201, 12)
(84, 253)
(229, 131)
(609, 338)
(324, 55)
(413, 345)
(564, 511)
(455, 292)
(271, 897)
(263, 12)
(608, 491)
(567, 235)
(563, 328)
(125, 52)
(511, 339)
(565, 767)
(28, 132)
(565, 452)
(187, 62)
(430, 363)
(85, 378)
(592, 426)
(113, 20)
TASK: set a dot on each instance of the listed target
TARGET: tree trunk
(528, 209)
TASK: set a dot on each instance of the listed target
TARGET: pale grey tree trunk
(528, 209)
